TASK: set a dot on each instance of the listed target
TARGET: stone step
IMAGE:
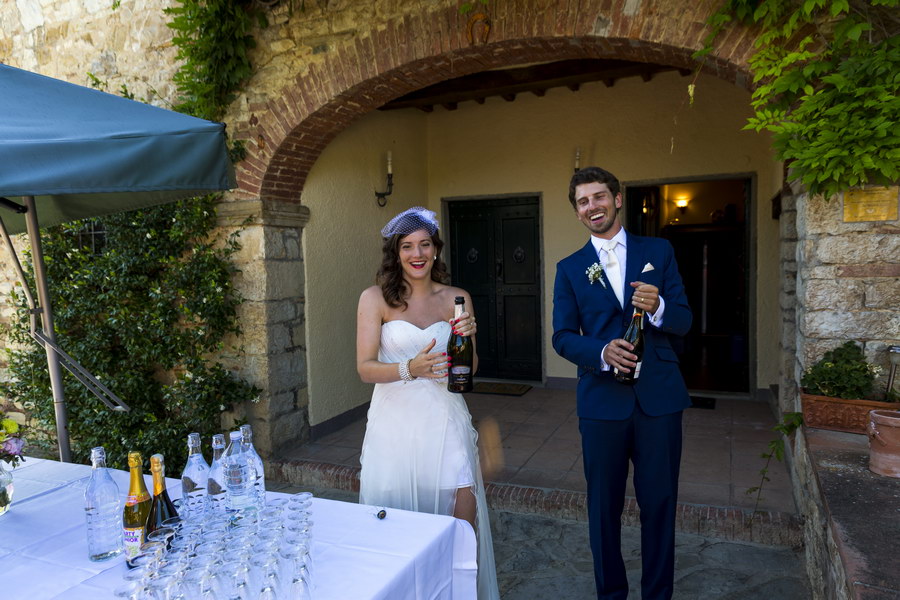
(771, 528)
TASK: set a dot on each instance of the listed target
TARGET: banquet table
(406, 555)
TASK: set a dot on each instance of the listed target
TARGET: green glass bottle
(461, 352)
(634, 335)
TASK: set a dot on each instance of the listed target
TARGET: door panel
(495, 256)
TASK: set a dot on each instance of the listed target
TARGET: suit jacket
(587, 316)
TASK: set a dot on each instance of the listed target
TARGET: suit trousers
(653, 445)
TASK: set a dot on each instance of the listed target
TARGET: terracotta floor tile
(538, 478)
(542, 459)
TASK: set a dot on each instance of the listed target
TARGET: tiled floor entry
(542, 448)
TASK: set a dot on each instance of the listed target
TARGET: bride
(419, 452)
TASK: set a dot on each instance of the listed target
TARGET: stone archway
(286, 134)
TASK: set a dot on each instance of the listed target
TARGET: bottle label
(134, 537)
(132, 500)
(637, 369)
(460, 374)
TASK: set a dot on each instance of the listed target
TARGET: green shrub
(143, 313)
(841, 373)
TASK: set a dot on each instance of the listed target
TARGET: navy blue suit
(620, 423)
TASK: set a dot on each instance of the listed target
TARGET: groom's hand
(617, 355)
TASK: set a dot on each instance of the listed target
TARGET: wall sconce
(577, 158)
(681, 202)
(381, 197)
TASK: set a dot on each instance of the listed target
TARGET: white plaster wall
(342, 244)
(639, 131)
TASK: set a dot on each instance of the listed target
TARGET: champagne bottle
(461, 352)
(161, 507)
(634, 335)
(137, 508)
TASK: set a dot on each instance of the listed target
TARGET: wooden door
(495, 256)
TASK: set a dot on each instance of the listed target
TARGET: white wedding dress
(420, 446)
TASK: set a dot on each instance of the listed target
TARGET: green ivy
(214, 39)
(143, 315)
(827, 76)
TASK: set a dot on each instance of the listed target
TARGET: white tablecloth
(43, 546)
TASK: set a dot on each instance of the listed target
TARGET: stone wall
(846, 287)
(839, 283)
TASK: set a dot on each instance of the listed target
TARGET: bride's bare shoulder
(372, 297)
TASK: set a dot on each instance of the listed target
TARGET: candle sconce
(381, 197)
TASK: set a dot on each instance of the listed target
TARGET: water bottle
(215, 482)
(256, 465)
(239, 490)
(194, 480)
(102, 510)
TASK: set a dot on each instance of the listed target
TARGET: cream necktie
(613, 272)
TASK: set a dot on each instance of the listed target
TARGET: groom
(619, 423)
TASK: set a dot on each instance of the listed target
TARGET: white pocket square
(647, 267)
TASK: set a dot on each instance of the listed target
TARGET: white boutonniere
(648, 267)
(595, 273)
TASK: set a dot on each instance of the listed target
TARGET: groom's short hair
(592, 175)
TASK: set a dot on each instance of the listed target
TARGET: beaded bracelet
(403, 368)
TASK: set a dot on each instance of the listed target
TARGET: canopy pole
(40, 281)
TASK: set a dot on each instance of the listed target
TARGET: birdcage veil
(410, 220)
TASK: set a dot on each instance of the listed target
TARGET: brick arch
(287, 134)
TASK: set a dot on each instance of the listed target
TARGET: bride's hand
(429, 364)
(465, 325)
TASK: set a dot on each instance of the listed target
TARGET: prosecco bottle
(161, 507)
(137, 508)
(634, 335)
(461, 352)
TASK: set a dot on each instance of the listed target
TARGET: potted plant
(835, 389)
(11, 445)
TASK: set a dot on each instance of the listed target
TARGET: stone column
(273, 356)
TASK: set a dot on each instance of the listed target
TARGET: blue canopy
(85, 153)
(68, 152)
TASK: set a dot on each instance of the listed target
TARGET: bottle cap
(218, 441)
(134, 459)
(234, 435)
(98, 453)
(460, 300)
(193, 440)
(157, 463)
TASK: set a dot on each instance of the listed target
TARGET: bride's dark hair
(390, 274)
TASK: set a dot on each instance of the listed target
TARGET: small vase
(6, 489)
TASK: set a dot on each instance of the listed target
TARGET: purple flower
(13, 446)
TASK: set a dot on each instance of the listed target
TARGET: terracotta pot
(840, 414)
(884, 442)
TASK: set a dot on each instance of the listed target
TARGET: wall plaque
(871, 204)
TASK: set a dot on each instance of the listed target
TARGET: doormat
(503, 389)
(703, 402)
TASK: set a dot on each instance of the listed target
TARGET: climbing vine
(827, 77)
(150, 300)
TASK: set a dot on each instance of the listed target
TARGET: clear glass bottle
(194, 480)
(102, 510)
(215, 482)
(239, 490)
(256, 465)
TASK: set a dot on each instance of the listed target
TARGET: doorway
(495, 256)
(707, 223)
